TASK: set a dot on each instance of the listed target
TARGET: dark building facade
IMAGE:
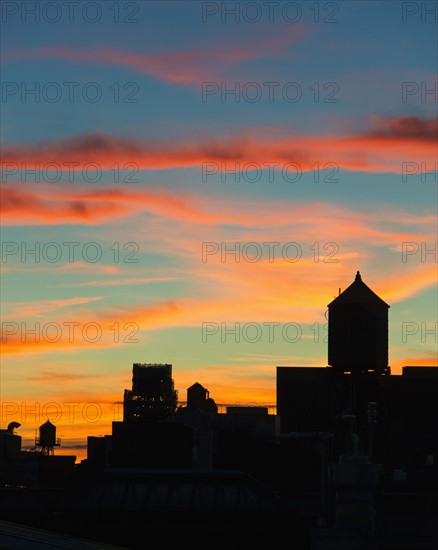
(149, 444)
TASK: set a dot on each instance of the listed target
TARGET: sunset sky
(142, 142)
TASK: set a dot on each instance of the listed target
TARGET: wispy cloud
(186, 67)
(243, 294)
(382, 147)
(41, 307)
(123, 282)
(60, 377)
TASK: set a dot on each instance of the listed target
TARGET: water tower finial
(358, 277)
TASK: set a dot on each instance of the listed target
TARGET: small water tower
(47, 439)
(358, 330)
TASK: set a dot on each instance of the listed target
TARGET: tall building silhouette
(148, 437)
(153, 396)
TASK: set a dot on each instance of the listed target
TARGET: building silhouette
(152, 396)
(36, 468)
(365, 440)
(358, 382)
(10, 445)
(147, 437)
(198, 398)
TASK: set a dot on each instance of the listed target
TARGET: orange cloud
(234, 293)
(407, 283)
(384, 147)
(48, 205)
(52, 207)
(19, 205)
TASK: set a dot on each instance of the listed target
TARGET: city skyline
(93, 412)
(174, 171)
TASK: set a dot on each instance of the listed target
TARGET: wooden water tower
(358, 331)
(47, 439)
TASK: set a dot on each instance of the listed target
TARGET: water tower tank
(358, 330)
(197, 396)
(47, 435)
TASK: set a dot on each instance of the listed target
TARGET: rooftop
(358, 293)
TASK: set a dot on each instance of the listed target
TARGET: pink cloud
(186, 67)
(23, 207)
(383, 147)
